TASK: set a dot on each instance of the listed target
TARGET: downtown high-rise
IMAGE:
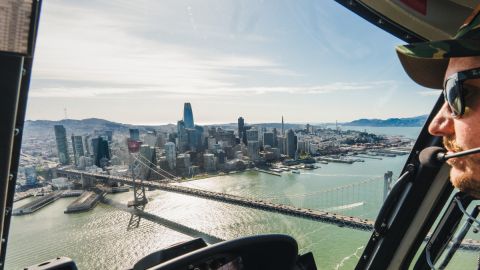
(188, 115)
(62, 144)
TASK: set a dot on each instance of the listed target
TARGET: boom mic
(435, 156)
(432, 156)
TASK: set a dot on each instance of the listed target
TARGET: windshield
(296, 117)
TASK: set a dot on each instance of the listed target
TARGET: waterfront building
(291, 145)
(253, 149)
(209, 162)
(252, 135)
(282, 145)
(62, 145)
(148, 162)
(188, 115)
(241, 125)
(171, 155)
(30, 176)
(276, 153)
(101, 152)
(221, 156)
(268, 139)
(245, 129)
(61, 183)
(193, 170)
(275, 135)
(134, 134)
(183, 164)
(301, 147)
(77, 146)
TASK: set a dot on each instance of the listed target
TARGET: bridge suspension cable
(335, 189)
(163, 173)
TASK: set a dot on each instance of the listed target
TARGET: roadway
(323, 216)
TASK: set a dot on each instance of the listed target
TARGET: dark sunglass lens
(453, 96)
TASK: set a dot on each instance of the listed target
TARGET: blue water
(101, 238)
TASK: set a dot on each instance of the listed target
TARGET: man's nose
(442, 123)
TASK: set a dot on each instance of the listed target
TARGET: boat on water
(296, 171)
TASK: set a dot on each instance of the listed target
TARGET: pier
(337, 160)
(85, 202)
(268, 171)
(37, 204)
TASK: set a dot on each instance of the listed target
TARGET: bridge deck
(328, 217)
(322, 216)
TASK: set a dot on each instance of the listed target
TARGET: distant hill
(417, 121)
(85, 126)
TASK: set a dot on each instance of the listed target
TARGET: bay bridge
(169, 183)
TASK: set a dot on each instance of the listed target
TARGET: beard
(465, 172)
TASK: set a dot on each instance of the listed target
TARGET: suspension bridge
(335, 199)
(169, 185)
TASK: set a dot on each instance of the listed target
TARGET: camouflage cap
(427, 62)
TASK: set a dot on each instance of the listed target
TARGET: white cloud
(232, 91)
(98, 50)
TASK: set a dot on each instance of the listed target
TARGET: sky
(138, 62)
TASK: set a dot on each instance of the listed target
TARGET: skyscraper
(149, 161)
(283, 131)
(241, 124)
(253, 148)
(182, 137)
(77, 146)
(252, 135)
(101, 152)
(291, 143)
(135, 134)
(62, 145)
(188, 115)
(170, 154)
(268, 139)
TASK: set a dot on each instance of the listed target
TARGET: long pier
(85, 202)
(267, 171)
(37, 204)
(323, 216)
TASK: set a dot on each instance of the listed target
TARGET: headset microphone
(435, 156)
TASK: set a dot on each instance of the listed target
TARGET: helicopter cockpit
(320, 190)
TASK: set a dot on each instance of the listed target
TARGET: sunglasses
(454, 91)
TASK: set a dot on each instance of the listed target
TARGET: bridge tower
(387, 183)
(139, 197)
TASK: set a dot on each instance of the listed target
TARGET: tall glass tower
(62, 145)
(188, 115)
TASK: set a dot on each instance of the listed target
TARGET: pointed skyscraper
(283, 131)
(188, 115)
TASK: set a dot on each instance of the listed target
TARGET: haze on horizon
(312, 62)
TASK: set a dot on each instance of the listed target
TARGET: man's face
(462, 133)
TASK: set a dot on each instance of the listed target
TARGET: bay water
(102, 238)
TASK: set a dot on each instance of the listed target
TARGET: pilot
(454, 66)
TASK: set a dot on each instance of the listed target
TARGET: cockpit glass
(151, 123)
